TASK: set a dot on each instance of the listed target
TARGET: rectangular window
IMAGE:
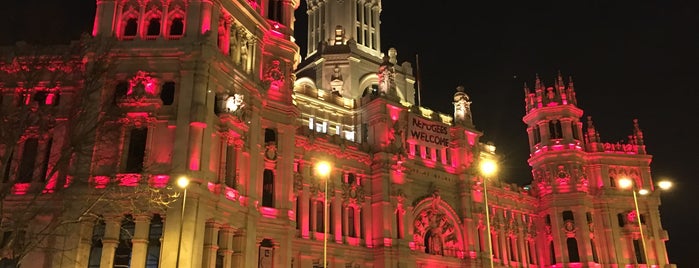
(26, 166)
(638, 251)
(268, 188)
(122, 254)
(155, 233)
(137, 150)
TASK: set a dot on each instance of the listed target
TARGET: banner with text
(428, 133)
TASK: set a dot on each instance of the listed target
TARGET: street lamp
(182, 182)
(323, 169)
(488, 168)
(626, 183)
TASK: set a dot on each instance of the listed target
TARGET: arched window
(131, 27)
(153, 27)
(177, 27)
(552, 253)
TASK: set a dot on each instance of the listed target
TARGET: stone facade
(216, 92)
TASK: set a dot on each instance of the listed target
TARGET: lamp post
(626, 183)
(488, 168)
(323, 169)
(182, 182)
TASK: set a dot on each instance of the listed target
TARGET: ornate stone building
(215, 91)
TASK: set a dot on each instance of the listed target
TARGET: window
(568, 215)
(351, 232)
(153, 27)
(588, 215)
(553, 253)
(96, 245)
(573, 254)
(275, 10)
(268, 188)
(122, 254)
(120, 91)
(555, 129)
(45, 98)
(320, 220)
(537, 134)
(638, 251)
(270, 135)
(8, 166)
(620, 219)
(131, 27)
(137, 150)
(155, 233)
(595, 258)
(167, 93)
(26, 166)
(177, 27)
(45, 163)
(512, 248)
(351, 178)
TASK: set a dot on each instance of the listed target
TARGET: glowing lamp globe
(488, 167)
(182, 182)
(323, 168)
(665, 185)
(625, 183)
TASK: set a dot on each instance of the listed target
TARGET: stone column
(210, 245)
(140, 241)
(303, 213)
(225, 242)
(110, 240)
(85, 243)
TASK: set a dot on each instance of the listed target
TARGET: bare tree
(47, 187)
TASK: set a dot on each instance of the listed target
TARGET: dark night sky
(628, 60)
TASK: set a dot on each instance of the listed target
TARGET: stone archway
(436, 228)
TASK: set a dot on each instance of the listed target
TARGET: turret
(337, 22)
(552, 116)
(462, 108)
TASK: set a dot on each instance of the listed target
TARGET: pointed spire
(571, 91)
(637, 132)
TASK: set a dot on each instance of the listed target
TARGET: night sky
(629, 60)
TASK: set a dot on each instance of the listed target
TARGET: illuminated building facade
(216, 91)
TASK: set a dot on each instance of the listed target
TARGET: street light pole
(323, 169)
(640, 226)
(488, 168)
(626, 183)
(182, 182)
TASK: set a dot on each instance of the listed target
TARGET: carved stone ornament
(298, 181)
(569, 228)
(271, 151)
(274, 76)
(142, 85)
(352, 193)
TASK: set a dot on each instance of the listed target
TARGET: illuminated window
(310, 123)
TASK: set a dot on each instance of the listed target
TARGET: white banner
(428, 133)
